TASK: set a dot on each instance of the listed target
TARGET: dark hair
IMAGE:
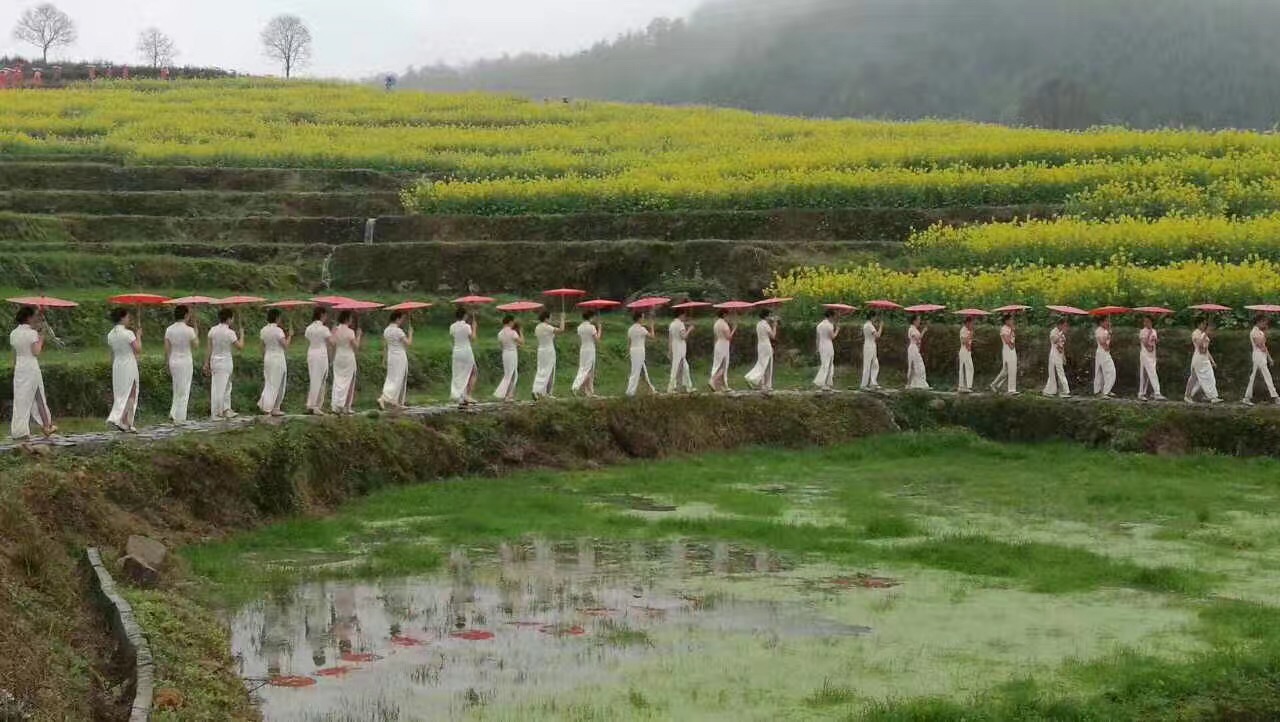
(764, 312)
(273, 315)
(872, 315)
(637, 316)
(344, 317)
(508, 319)
(319, 313)
(829, 313)
(24, 314)
(1202, 319)
(1149, 319)
(460, 313)
(1259, 318)
(544, 315)
(226, 315)
(1064, 319)
(118, 315)
(1007, 318)
(396, 316)
(180, 312)
(916, 317)
(722, 312)
(588, 314)
(1098, 321)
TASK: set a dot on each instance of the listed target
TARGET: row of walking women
(332, 360)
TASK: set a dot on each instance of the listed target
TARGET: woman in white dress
(275, 370)
(678, 338)
(637, 337)
(319, 346)
(509, 340)
(1262, 361)
(395, 344)
(125, 345)
(965, 384)
(463, 332)
(1104, 366)
(916, 377)
(1203, 379)
(545, 379)
(589, 335)
(1148, 377)
(219, 364)
(347, 337)
(1008, 358)
(180, 340)
(29, 401)
(871, 332)
(760, 377)
(827, 333)
(1057, 384)
(723, 332)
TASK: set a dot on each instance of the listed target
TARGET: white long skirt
(638, 371)
(510, 375)
(275, 373)
(916, 378)
(544, 380)
(1104, 372)
(464, 371)
(966, 370)
(29, 401)
(181, 370)
(870, 366)
(318, 371)
(761, 375)
(586, 375)
(720, 366)
(220, 387)
(681, 378)
(1202, 378)
(124, 392)
(395, 386)
(826, 377)
(344, 381)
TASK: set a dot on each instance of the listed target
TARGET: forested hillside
(1053, 63)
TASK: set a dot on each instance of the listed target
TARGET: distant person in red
(37, 79)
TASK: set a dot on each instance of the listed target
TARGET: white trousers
(1261, 367)
(966, 370)
(1008, 371)
(1104, 372)
(1202, 378)
(870, 366)
(1148, 378)
(1057, 384)
(638, 371)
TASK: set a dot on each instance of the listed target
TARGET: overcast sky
(352, 39)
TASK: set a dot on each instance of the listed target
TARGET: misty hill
(1055, 63)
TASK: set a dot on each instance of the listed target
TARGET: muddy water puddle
(500, 627)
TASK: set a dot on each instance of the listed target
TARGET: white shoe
(1247, 402)
(1158, 397)
(1215, 401)
(1188, 400)
(1064, 396)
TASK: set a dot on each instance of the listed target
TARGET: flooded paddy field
(930, 576)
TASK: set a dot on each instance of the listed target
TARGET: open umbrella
(770, 302)
(1109, 311)
(357, 306)
(734, 305)
(690, 306)
(564, 294)
(1210, 307)
(137, 299)
(409, 306)
(1011, 308)
(972, 313)
(841, 307)
(1264, 308)
(191, 301)
(883, 305)
(648, 304)
(1068, 310)
(43, 302)
(473, 300)
(521, 306)
(925, 308)
(291, 304)
(231, 301)
(1153, 310)
(599, 304)
(331, 300)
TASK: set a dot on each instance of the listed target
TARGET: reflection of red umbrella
(770, 302)
(883, 305)
(190, 301)
(409, 306)
(1011, 308)
(841, 307)
(734, 305)
(646, 304)
(599, 304)
(43, 302)
(1109, 311)
(925, 308)
(291, 304)
(472, 300)
(138, 299)
(690, 306)
(972, 313)
(1068, 310)
(332, 300)
(357, 306)
(521, 306)
(1264, 308)
(1210, 307)
(1153, 310)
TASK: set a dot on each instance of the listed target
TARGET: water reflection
(501, 625)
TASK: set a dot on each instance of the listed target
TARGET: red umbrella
(883, 305)
(841, 307)
(1264, 308)
(565, 293)
(650, 303)
(472, 300)
(770, 302)
(138, 299)
(734, 305)
(290, 304)
(332, 300)
(690, 305)
(190, 301)
(972, 312)
(599, 304)
(357, 306)
(1153, 310)
(409, 306)
(43, 302)
(521, 306)
(239, 301)
(1109, 311)
(1068, 310)
(1210, 307)
(925, 308)
(1011, 308)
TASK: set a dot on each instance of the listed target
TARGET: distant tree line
(1050, 63)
